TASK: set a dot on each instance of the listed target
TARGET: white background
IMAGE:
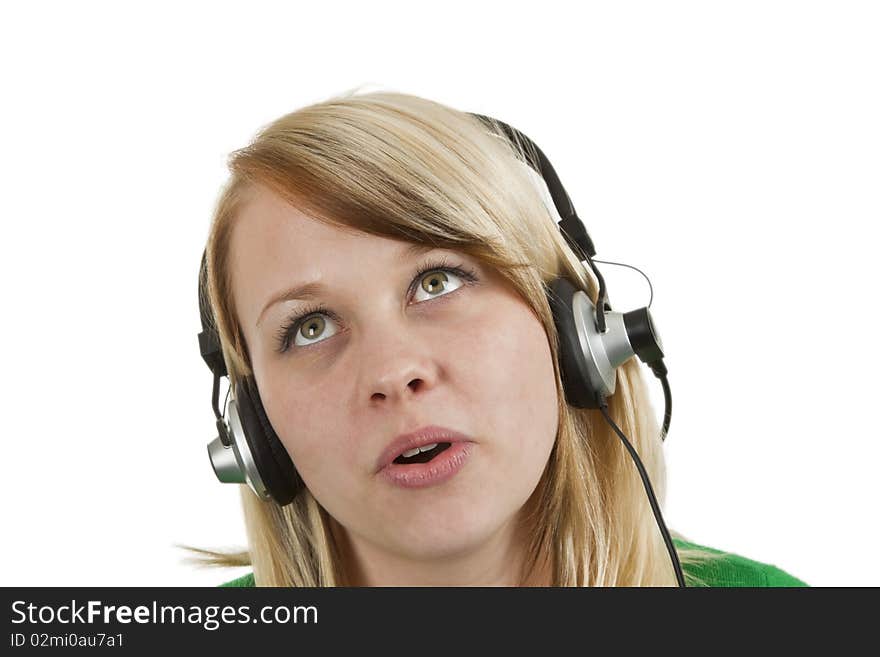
(729, 150)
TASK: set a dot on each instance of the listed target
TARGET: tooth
(416, 450)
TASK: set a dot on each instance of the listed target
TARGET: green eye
(311, 325)
(435, 282)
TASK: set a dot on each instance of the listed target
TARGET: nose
(397, 361)
(398, 385)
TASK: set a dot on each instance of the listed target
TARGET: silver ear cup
(234, 464)
(224, 463)
(603, 352)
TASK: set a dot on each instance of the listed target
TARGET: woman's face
(384, 358)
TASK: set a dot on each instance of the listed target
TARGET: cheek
(514, 374)
(307, 425)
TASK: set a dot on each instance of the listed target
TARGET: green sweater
(733, 570)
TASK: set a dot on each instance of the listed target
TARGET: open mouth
(425, 454)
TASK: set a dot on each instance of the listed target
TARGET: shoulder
(726, 569)
(240, 582)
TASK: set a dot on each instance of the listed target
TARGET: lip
(418, 438)
(439, 469)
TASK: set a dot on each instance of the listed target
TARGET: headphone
(592, 345)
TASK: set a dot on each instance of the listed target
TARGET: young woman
(377, 271)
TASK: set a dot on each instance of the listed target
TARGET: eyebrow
(312, 290)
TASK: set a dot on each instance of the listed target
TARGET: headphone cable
(673, 555)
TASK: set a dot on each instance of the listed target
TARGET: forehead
(267, 225)
(274, 245)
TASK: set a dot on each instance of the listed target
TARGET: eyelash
(293, 323)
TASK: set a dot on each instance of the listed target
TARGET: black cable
(215, 394)
(603, 406)
(667, 396)
(658, 367)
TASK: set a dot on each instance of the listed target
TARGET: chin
(438, 538)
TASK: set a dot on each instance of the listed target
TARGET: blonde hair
(400, 166)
